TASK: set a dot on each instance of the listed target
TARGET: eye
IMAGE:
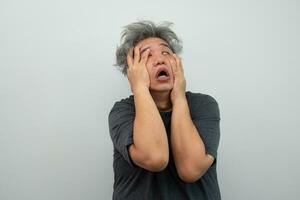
(165, 53)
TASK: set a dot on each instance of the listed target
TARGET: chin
(157, 86)
(161, 88)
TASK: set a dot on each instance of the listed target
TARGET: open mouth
(162, 75)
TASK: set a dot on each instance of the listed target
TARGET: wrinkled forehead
(161, 46)
(153, 44)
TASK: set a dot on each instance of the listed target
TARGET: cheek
(171, 60)
(148, 67)
(149, 61)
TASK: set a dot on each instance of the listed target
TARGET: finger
(173, 63)
(178, 62)
(173, 66)
(130, 57)
(137, 54)
(145, 56)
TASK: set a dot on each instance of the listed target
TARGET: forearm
(188, 148)
(149, 134)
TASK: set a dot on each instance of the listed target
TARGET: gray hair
(135, 32)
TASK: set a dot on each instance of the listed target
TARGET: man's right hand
(137, 73)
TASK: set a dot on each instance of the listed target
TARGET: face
(158, 64)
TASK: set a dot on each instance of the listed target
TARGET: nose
(158, 60)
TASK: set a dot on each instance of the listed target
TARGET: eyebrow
(161, 44)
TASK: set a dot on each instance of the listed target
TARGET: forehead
(152, 43)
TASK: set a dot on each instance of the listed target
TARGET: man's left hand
(179, 86)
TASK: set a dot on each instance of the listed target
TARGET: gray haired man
(165, 138)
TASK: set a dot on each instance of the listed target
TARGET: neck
(162, 100)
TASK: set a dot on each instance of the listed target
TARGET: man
(165, 139)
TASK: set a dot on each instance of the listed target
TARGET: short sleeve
(120, 120)
(206, 118)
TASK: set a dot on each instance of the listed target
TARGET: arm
(150, 144)
(150, 147)
(188, 148)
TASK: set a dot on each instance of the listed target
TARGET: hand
(137, 73)
(179, 86)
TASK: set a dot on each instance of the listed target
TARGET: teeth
(162, 73)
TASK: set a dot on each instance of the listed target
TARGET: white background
(58, 84)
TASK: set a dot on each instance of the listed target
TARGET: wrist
(179, 103)
(180, 99)
(140, 90)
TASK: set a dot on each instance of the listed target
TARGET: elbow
(189, 174)
(187, 178)
(156, 163)
(153, 161)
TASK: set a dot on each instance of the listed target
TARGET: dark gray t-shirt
(134, 183)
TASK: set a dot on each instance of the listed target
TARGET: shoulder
(202, 104)
(200, 98)
(127, 102)
(123, 105)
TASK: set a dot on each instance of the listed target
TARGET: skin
(158, 55)
(150, 149)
